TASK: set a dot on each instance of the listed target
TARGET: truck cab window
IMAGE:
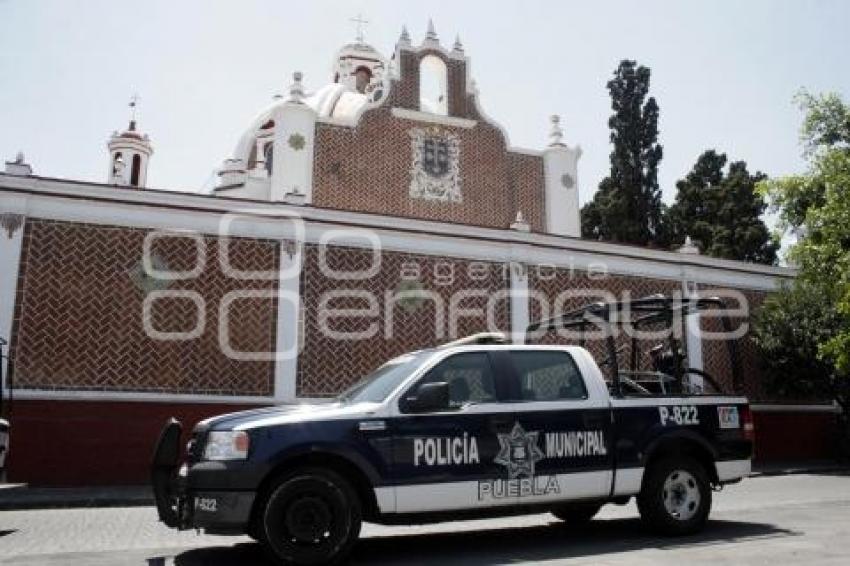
(469, 376)
(548, 376)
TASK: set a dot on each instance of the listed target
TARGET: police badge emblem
(435, 174)
(518, 452)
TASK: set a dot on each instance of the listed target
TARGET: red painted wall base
(75, 443)
(783, 436)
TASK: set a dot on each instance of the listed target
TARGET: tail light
(747, 423)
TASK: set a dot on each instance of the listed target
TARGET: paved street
(768, 520)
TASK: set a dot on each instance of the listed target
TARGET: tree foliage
(627, 207)
(789, 330)
(721, 210)
(815, 206)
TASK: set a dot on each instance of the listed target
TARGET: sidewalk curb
(828, 468)
(23, 498)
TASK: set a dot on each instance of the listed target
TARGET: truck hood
(285, 414)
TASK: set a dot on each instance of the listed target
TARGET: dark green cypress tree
(721, 211)
(627, 207)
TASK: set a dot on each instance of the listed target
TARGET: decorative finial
(431, 36)
(296, 91)
(359, 22)
(473, 87)
(404, 38)
(520, 224)
(134, 101)
(556, 135)
(19, 158)
(457, 48)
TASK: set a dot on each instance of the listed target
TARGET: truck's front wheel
(676, 496)
(311, 517)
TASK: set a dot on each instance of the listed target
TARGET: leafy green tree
(815, 207)
(788, 331)
(627, 207)
(721, 211)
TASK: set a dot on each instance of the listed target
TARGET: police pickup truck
(475, 428)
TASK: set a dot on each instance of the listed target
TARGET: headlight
(227, 445)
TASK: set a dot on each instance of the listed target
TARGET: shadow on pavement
(505, 545)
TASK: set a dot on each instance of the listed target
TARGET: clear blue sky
(724, 73)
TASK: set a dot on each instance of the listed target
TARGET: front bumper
(183, 506)
(220, 512)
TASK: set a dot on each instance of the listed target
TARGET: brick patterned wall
(328, 365)
(716, 358)
(78, 322)
(406, 90)
(526, 186)
(367, 168)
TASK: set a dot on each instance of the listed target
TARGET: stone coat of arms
(435, 172)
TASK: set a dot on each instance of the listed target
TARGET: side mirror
(429, 397)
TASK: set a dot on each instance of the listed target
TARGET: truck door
(440, 457)
(564, 424)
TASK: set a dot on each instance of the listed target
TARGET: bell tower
(129, 153)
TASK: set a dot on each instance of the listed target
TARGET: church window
(362, 78)
(114, 161)
(433, 81)
(268, 156)
(136, 170)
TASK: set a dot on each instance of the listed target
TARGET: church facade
(382, 213)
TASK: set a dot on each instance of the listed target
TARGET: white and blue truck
(475, 428)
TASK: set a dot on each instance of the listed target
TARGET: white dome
(343, 100)
(330, 101)
(359, 50)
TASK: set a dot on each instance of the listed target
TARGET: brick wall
(328, 365)
(78, 322)
(367, 168)
(406, 90)
(715, 353)
(78, 317)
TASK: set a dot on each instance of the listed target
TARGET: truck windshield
(375, 387)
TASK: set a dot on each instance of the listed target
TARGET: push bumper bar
(181, 506)
(166, 489)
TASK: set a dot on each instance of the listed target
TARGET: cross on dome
(359, 22)
(134, 101)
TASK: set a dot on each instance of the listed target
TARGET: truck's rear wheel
(577, 513)
(311, 517)
(676, 496)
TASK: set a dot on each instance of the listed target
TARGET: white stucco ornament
(435, 171)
